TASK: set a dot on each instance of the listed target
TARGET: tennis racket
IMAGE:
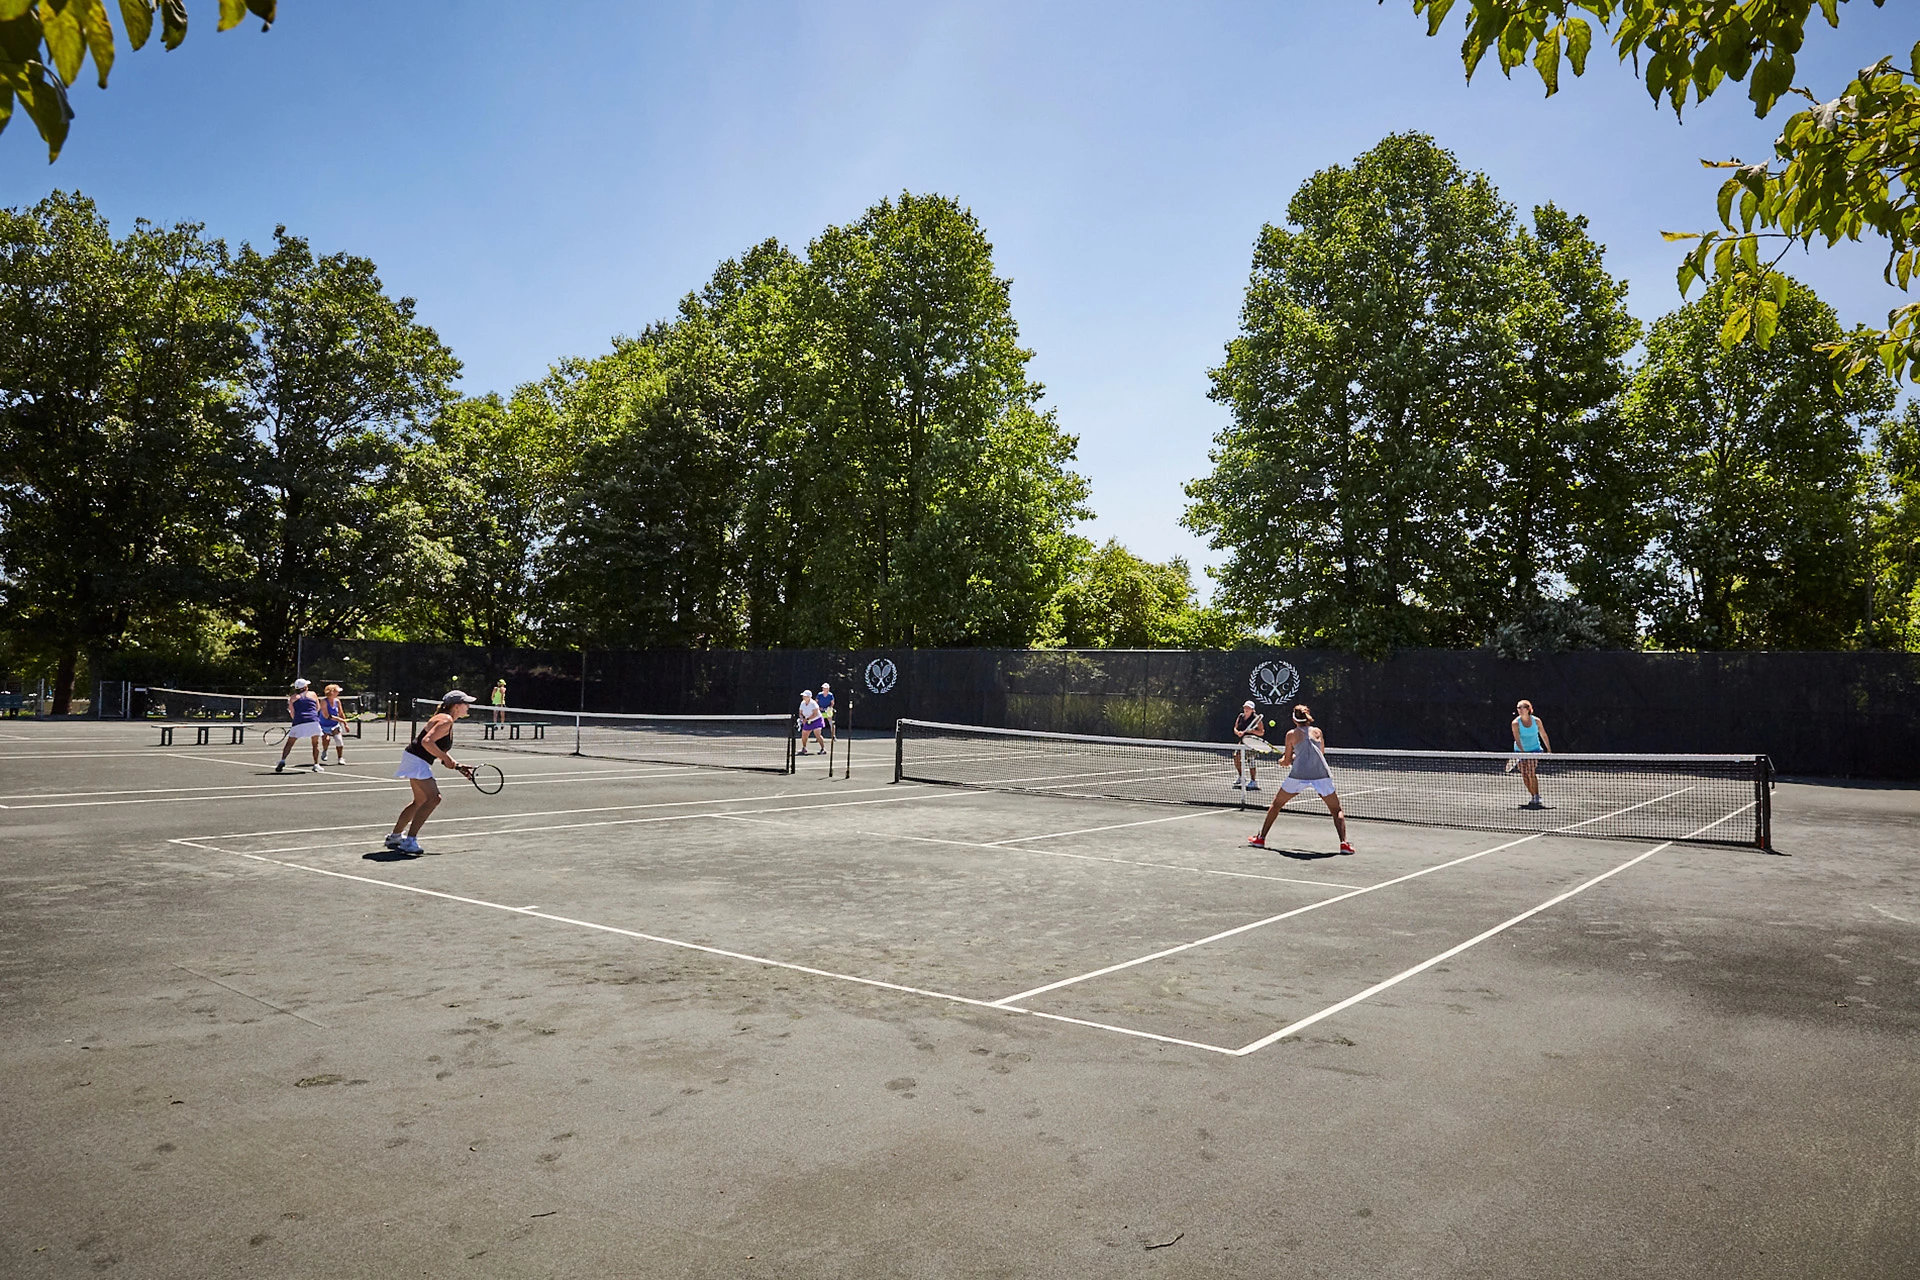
(1258, 745)
(275, 736)
(1513, 762)
(486, 778)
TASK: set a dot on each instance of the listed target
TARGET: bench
(515, 729)
(202, 733)
(13, 703)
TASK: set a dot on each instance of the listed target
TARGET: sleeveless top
(445, 744)
(1245, 723)
(1529, 733)
(306, 709)
(331, 712)
(1309, 761)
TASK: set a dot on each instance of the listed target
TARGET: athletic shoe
(280, 766)
(1345, 847)
(317, 766)
(1239, 784)
(1535, 803)
(1258, 842)
(409, 845)
(394, 840)
(1253, 786)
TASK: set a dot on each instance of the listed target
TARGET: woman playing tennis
(811, 722)
(333, 725)
(433, 742)
(1306, 763)
(1530, 739)
(303, 711)
(1248, 724)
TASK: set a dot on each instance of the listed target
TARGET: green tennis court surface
(627, 1019)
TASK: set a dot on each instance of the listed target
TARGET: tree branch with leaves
(1842, 169)
(45, 43)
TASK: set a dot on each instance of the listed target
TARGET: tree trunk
(63, 682)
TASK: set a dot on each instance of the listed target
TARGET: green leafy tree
(336, 374)
(490, 478)
(648, 553)
(940, 490)
(1894, 533)
(1562, 524)
(1843, 168)
(1418, 444)
(45, 43)
(1113, 599)
(121, 457)
(1759, 521)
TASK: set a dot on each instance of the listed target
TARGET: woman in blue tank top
(1530, 738)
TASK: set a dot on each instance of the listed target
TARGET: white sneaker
(394, 840)
(1253, 786)
(317, 766)
(409, 845)
(1239, 784)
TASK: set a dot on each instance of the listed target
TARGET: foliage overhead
(45, 43)
(1843, 167)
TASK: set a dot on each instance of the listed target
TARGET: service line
(1311, 906)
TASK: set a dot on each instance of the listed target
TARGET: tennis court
(634, 1019)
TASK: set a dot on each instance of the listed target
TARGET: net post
(793, 744)
(899, 750)
(846, 752)
(1763, 803)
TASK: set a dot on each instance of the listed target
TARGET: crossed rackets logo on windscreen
(1274, 681)
(882, 675)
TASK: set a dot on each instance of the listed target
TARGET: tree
(1894, 535)
(1759, 532)
(490, 479)
(1116, 600)
(44, 44)
(1848, 167)
(648, 553)
(1562, 481)
(336, 374)
(1418, 442)
(121, 457)
(940, 488)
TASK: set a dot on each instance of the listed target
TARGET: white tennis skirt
(303, 731)
(1294, 786)
(412, 766)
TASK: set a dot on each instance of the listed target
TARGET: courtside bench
(12, 704)
(515, 729)
(202, 733)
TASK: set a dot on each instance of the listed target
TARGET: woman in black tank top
(433, 742)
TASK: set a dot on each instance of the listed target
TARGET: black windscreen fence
(1815, 714)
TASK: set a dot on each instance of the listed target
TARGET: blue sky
(541, 177)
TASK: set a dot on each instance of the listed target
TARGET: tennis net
(190, 704)
(763, 742)
(1706, 799)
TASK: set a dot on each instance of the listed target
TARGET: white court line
(1100, 857)
(1312, 906)
(704, 948)
(1147, 822)
(582, 826)
(373, 782)
(1297, 1026)
(1087, 831)
(555, 813)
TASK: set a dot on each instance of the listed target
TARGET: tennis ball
(1271, 723)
